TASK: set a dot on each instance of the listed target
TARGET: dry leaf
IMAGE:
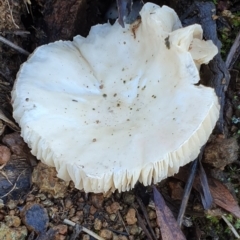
(221, 195)
(165, 219)
(223, 198)
(2, 127)
(10, 123)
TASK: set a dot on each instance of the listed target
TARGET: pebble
(62, 229)
(68, 203)
(42, 196)
(6, 232)
(5, 155)
(120, 237)
(134, 230)
(46, 179)
(97, 224)
(92, 210)
(1, 203)
(30, 198)
(97, 200)
(12, 221)
(113, 208)
(1, 216)
(47, 203)
(112, 217)
(86, 237)
(106, 234)
(128, 198)
(11, 204)
(38, 224)
(131, 216)
(11, 212)
(72, 212)
(152, 215)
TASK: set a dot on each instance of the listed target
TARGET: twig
(187, 191)
(14, 46)
(231, 227)
(17, 32)
(4, 174)
(91, 233)
(142, 225)
(10, 10)
(119, 215)
(14, 186)
(146, 216)
(233, 53)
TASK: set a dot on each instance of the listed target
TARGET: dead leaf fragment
(10, 123)
(165, 219)
(5, 155)
(221, 195)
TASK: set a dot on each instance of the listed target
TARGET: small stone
(75, 219)
(11, 204)
(72, 212)
(30, 198)
(152, 215)
(79, 213)
(68, 203)
(92, 210)
(128, 198)
(62, 229)
(97, 200)
(119, 237)
(11, 212)
(86, 237)
(47, 203)
(46, 179)
(1, 216)
(5, 155)
(106, 234)
(1, 203)
(60, 237)
(113, 208)
(42, 196)
(134, 230)
(8, 233)
(105, 224)
(112, 217)
(97, 224)
(12, 221)
(38, 224)
(131, 216)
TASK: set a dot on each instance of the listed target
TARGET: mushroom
(121, 105)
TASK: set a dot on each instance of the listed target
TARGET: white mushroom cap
(120, 105)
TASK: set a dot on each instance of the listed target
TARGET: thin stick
(231, 227)
(146, 216)
(142, 225)
(91, 233)
(14, 46)
(14, 186)
(187, 191)
(120, 216)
